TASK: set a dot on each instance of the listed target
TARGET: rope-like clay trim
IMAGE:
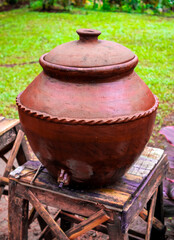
(50, 118)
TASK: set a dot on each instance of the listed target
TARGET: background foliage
(154, 6)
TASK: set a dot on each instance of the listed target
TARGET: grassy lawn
(26, 35)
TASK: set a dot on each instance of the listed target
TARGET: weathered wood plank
(17, 215)
(129, 177)
(7, 124)
(74, 205)
(6, 141)
(111, 196)
(88, 224)
(152, 153)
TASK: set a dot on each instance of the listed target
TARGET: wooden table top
(118, 196)
(7, 124)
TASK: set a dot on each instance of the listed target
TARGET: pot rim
(103, 71)
(96, 121)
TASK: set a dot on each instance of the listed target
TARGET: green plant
(42, 4)
(106, 5)
(36, 5)
(126, 8)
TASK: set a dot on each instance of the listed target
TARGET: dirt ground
(34, 230)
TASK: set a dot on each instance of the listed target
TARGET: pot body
(93, 156)
(111, 121)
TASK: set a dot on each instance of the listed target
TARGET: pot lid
(88, 52)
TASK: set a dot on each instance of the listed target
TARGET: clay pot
(88, 115)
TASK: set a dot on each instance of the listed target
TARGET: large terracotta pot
(88, 115)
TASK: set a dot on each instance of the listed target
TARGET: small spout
(63, 178)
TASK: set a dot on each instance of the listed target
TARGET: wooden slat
(47, 229)
(13, 153)
(46, 216)
(152, 153)
(4, 181)
(145, 163)
(151, 215)
(85, 226)
(132, 178)
(111, 197)
(70, 217)
(77, 219)
(11, 159)
(7, 124)
(156, 223)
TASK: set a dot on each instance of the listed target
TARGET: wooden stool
(110, 210)
(11, 138)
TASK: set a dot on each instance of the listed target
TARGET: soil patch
(17, 64)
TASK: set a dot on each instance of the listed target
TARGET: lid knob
(88, 34)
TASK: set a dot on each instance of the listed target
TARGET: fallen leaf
(168, 132)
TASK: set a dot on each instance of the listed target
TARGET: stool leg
(114, 230)
(17, 215)
(151, 215)
(159, 214)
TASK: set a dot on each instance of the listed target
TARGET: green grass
(26, 35)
